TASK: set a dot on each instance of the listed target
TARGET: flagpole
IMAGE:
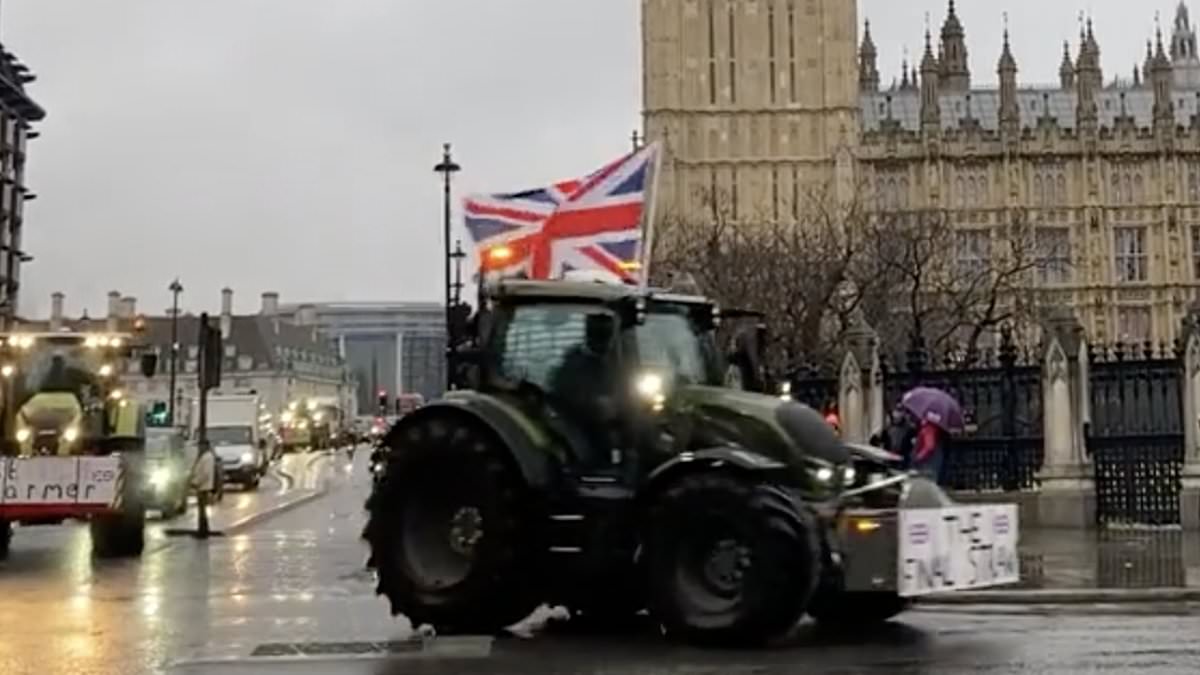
(648, 215)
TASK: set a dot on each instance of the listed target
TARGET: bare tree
(952, 287)
(809, 278)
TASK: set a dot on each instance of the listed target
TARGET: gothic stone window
(712, 53)
(1049, 185)
(1130, 254)
(1127, 185)
(971, 187)
(772, 65)
(1054, 255)
(973, 252)
(1196, 252)
(732, 55)
(1133, 324)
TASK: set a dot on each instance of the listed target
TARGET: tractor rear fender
(726, 457)
(528, 447)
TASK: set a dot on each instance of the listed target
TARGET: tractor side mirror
(149, 364)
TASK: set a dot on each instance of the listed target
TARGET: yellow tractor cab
(49, 423)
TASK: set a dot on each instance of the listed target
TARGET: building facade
(265, 354)
(1106, 168)
(389, 347)
(753, 99)
(17, 113)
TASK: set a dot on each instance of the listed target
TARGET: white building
(264, 353)
(394, 347)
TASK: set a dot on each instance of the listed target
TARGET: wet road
(61, 611)
(289, 595)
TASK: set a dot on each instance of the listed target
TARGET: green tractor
(595, 459)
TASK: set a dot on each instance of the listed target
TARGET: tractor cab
(62, 394)
(599, 363)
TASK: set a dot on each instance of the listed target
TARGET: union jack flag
(594, 223)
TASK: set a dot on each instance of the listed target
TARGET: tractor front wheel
(452, 532)
(120, 535)
(731, 560)
(6, 534)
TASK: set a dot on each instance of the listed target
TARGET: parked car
(169, 459)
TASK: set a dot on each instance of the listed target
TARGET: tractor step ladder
(571, 526)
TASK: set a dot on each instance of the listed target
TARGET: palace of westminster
(755, 99)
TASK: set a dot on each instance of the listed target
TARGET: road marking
(450, 647)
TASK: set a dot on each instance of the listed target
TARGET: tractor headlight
(848, 475)
(160, 477)
(650, 385)
(70, 434)
(24, 434)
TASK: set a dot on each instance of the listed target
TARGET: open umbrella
(934, 406)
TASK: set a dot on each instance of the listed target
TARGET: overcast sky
(288, 144)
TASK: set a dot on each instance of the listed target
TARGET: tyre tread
(511, 591)
(780, 515)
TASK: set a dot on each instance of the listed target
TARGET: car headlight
(70, 434)
(247, 458)
(160, 477)
(23, 434)
(824, 474)
(848, 475)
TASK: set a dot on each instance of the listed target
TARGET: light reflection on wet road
(203, 608)
(61, 611)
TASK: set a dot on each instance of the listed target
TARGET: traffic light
(157, 415)
(383, 402)
(211, 354)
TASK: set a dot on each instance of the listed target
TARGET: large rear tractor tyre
(120, 535)
(6, 534)
(841, 610)
(731, 560)
(452, 531)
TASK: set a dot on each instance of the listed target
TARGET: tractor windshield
(670, 340)
(66, 368)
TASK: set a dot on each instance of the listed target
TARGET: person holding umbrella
(936, 415)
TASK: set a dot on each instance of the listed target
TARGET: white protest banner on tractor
(957, 548)
(34, 481)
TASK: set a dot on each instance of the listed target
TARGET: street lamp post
(176, 288)
(447, 168)
(458, 256)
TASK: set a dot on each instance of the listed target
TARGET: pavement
(286, 592)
